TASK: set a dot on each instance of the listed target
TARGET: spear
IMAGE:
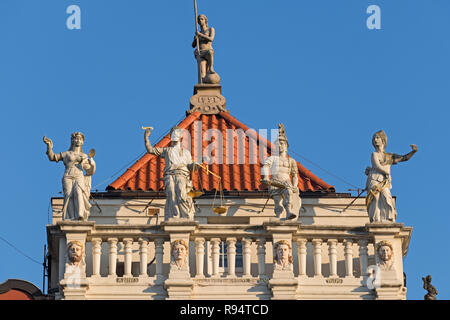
(198, 41)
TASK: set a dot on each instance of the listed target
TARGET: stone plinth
(283, 283)
(73, 278)
(388, 282)
(179, 284)
(207, 99)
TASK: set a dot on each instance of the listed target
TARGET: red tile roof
(147, 173)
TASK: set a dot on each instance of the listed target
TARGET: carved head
(76, 139)
(283, 253)
(379, 139)
(202, 20)
(385, 250)
(75, 252)
(179, 251)
(176, 134)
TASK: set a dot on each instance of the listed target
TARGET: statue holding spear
(204, 53)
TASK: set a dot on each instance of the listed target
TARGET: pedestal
(179, 284)
(74, 284)
(389, 284)
(283, 283)
(207, 99)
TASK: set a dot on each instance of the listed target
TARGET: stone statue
(379, 202)
(177, 182)
(204, 54)
(431, 290)
(179, 254)
(283, 256)
(75, 253)
(283, 182)
(385, 253)
(76, 186)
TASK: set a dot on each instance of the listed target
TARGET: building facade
(335, 252)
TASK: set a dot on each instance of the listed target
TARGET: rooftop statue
(76, 185)
(431, 290)
(177, 182)
(379, 202)
(283, 182)
(204, 53)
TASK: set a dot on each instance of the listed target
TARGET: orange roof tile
(147, 173)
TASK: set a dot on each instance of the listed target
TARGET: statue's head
(385, 250)
(378, 138)
(176, 134)
(75, 252)
(283, 252)
(202, 19)
(76, 139)
(179, 250)
(282, 141)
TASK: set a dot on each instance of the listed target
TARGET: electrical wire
(325, 170)
(136, 158)
(20, 251)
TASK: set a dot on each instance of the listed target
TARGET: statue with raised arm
(283, 181)
(379, 202)
(76, 185)
(431, 290)
(204, 53)
(177, 182)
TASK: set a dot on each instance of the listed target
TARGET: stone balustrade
(320, 254)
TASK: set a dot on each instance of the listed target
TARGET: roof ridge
(164, 142)
(305, 172)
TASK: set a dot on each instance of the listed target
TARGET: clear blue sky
(312, 65)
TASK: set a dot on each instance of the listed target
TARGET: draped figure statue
(379, 202)
(177, 182)
(76, 185)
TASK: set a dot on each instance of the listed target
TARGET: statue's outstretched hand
(414, 147)
(147, 132)
(48, 141)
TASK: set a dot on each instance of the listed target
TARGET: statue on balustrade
(179, 253)
(177, 182)
(204, 53)
(283, 256)
(385, 253)
(431, 290)
(283, 182)
(76, 185)
(379, 202)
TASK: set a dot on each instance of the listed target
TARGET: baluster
(159, 252)
(348, 257)
(199, 256)
(143, 253)
(231, 256)
(128, 246)
(215, 251)
(112, 256)
(332, 243)
(363, 257)
(317, 257)
(261, 242)
(246, 256)
(96, 254)
(301, 245)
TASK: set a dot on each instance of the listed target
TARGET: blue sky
(312, 65)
